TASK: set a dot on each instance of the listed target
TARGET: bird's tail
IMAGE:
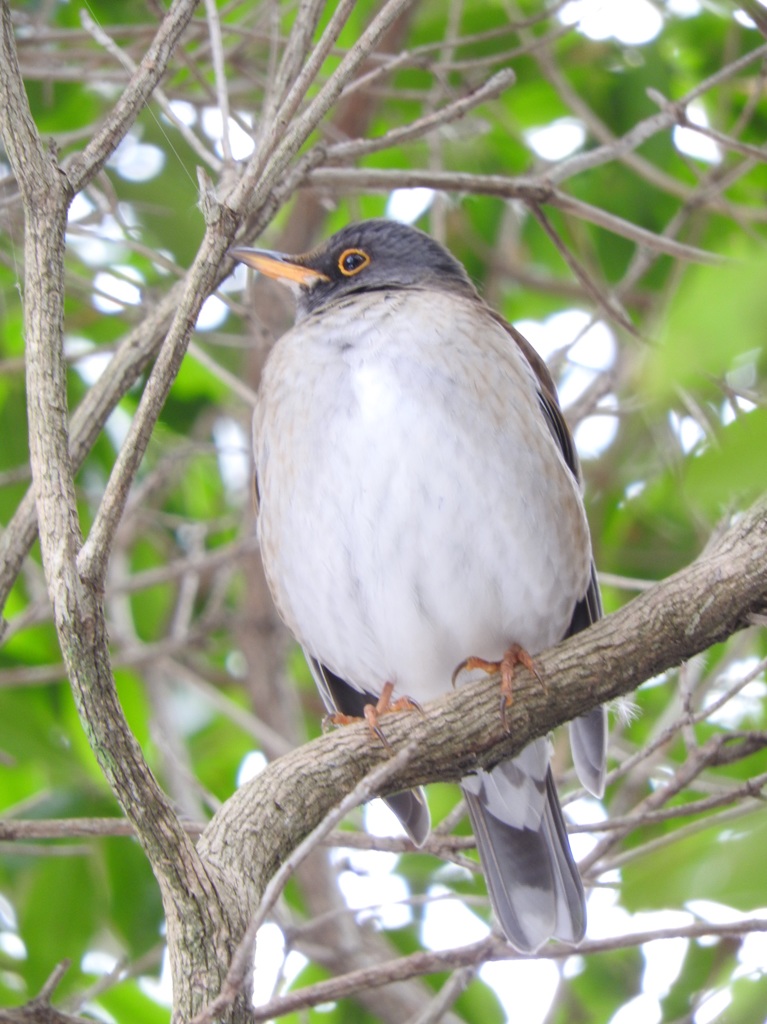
(532, 879)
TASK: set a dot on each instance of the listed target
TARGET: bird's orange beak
(278, 266)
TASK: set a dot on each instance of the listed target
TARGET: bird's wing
(338, 696)
(547, 396)
(588, 734)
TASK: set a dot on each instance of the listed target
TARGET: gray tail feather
(588, 742)
(532, 879)
(413, 812)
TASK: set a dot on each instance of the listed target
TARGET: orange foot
(372, 712)
(515, 655)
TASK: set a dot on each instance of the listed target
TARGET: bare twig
(105, 40)
(222, 92)
(532, 191)
(86, 165)
(491, 89)
(478, 953)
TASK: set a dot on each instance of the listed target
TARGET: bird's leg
(514, 655)
(372, 712)
(385, 706)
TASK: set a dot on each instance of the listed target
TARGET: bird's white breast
(415, 508)
(375, 391)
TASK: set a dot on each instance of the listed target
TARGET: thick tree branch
(193, 903)
(78, 612)
(703, 604)
(243, 959)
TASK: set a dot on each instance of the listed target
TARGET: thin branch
(243, 957)
(489, 90)
(679, 112)
(232, 381)
(447, 995)
(219, 71)
(692, 828)
(295, 54)
(185, 299)
(529, 190)
(200, 281)
(39, 1010)
(105, 40)
(605, 302)
(86, 165)
(642, 132)
(267, 165)
(640, 818)
(46, 992)
(122, 970)
(309, 72)
(478, 953)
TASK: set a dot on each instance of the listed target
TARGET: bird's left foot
(515, 655)
(373, 712)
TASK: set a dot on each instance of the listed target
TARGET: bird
(420, 509)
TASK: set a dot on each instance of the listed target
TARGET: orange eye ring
(352, 261)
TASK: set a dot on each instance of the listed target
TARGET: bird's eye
(352, 261)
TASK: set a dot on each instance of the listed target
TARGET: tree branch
(534, 191)
(83, 168)
(476, 954)
(77, 603)
(703, 604)
(242, 960)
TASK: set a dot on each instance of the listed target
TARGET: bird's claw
(372, 712)
(515, 655)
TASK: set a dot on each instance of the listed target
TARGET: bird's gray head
(369, 256)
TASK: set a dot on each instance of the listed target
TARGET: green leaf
(127, 1002)
(716, 322)
(55, 920)
(135, 905)
(720, 863)
(732, 471)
